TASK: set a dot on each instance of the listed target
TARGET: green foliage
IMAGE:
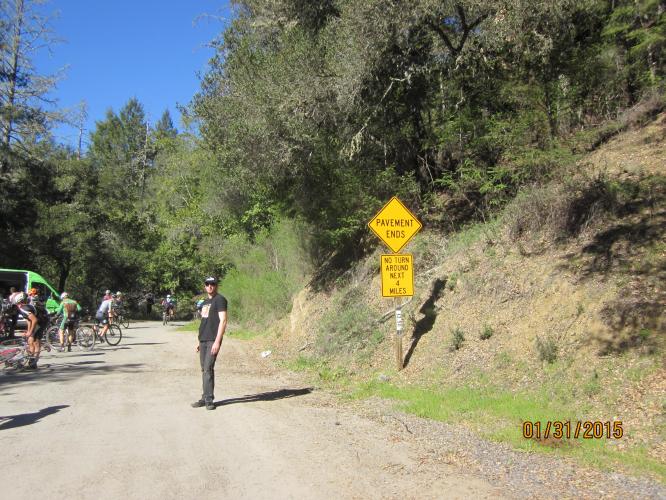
(337, 106)
(319, 112)
(452, 281)
(457, 339)
(348, 326)
(264, 273)
(638, 29)
(192, 326)
(486, 333)
(497, 414)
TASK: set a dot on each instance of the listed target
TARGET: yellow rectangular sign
(397, 275)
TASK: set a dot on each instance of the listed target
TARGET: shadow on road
(145, 343)
(64, 372)
(266, 396)
(22, 419)
(88, 354)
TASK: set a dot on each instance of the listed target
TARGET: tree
(119, 149)
(164, 127)
(23, 93)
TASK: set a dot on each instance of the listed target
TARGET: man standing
(211, 332)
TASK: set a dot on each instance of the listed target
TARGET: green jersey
(69, 308)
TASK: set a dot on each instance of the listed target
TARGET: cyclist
(33, 296)
(70, 310)
(199, 306)
(38, 320)
(169, 305)
(104, 314)
(119, 303)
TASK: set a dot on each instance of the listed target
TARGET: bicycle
(14, 353)
(121, 318)
(168, 313)
(83, 337)
(7, 323)
(113, 335)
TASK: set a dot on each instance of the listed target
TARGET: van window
(43, 291)
(9, 279)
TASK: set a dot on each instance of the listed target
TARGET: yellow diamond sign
(395, 224)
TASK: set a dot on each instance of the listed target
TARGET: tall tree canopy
(326, 107)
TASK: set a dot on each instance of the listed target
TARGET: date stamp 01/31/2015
(586, 429)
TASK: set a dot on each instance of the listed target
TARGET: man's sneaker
(198, 404)
(210, 405)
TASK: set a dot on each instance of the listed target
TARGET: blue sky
(115, 50)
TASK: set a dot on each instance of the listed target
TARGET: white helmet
(168, 296)
(64, 295)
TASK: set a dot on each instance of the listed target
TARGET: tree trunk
(64, 274)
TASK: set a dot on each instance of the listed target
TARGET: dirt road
(117, 423)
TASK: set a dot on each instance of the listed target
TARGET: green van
(24, 281)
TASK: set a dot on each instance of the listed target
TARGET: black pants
(207, 370)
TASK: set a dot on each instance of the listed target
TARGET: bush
(547, 349)
(266, 273)
(348, 326)
(564, 211)
(457, 339)
(486, 333)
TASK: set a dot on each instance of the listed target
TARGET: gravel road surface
(117, 423)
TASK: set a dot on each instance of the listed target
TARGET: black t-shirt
(210, 319)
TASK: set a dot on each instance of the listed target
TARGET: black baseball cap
(211, 280)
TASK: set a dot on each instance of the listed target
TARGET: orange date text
(586, 429)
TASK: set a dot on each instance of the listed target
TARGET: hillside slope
(560, 299)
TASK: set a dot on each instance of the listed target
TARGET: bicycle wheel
(85, 338)
(123, 321)
(52, 338)
(13, 342)
(113, 335)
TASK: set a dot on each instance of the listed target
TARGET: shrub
(348, 326)
(547, 349)
(451, 282)
(564, 211)
(486, 333)
(457, 338)
(265, 273)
